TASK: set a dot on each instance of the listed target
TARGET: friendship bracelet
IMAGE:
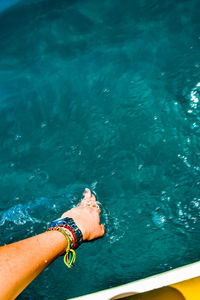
(72, 234)
(68, 232)
(70, 255)
(69, 222)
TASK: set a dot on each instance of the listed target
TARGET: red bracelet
(74, 238)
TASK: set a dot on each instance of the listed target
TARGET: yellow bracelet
(70, 255)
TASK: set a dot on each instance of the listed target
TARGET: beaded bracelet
(70, 255)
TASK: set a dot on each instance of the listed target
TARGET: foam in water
(194, 98)
(23, 213)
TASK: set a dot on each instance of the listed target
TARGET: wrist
(68, 224)
(78, 220)
(57, 241)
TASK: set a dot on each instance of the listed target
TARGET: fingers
(86, 216)
(89, 200)
(87, 194)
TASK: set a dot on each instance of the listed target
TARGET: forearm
(21, 262)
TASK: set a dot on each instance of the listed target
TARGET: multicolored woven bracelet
(69, 222)
(70, 255)
(71, 234)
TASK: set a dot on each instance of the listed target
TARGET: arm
(21, 262)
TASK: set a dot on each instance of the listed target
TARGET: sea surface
(102, 94)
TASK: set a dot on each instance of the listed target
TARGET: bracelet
(70, 234)
(69, 231)
(70, 255)
(71, 225)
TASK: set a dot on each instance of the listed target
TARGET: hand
(86, 216)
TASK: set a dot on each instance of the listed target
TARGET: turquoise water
(104, 95)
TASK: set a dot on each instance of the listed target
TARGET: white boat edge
(147, 284)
